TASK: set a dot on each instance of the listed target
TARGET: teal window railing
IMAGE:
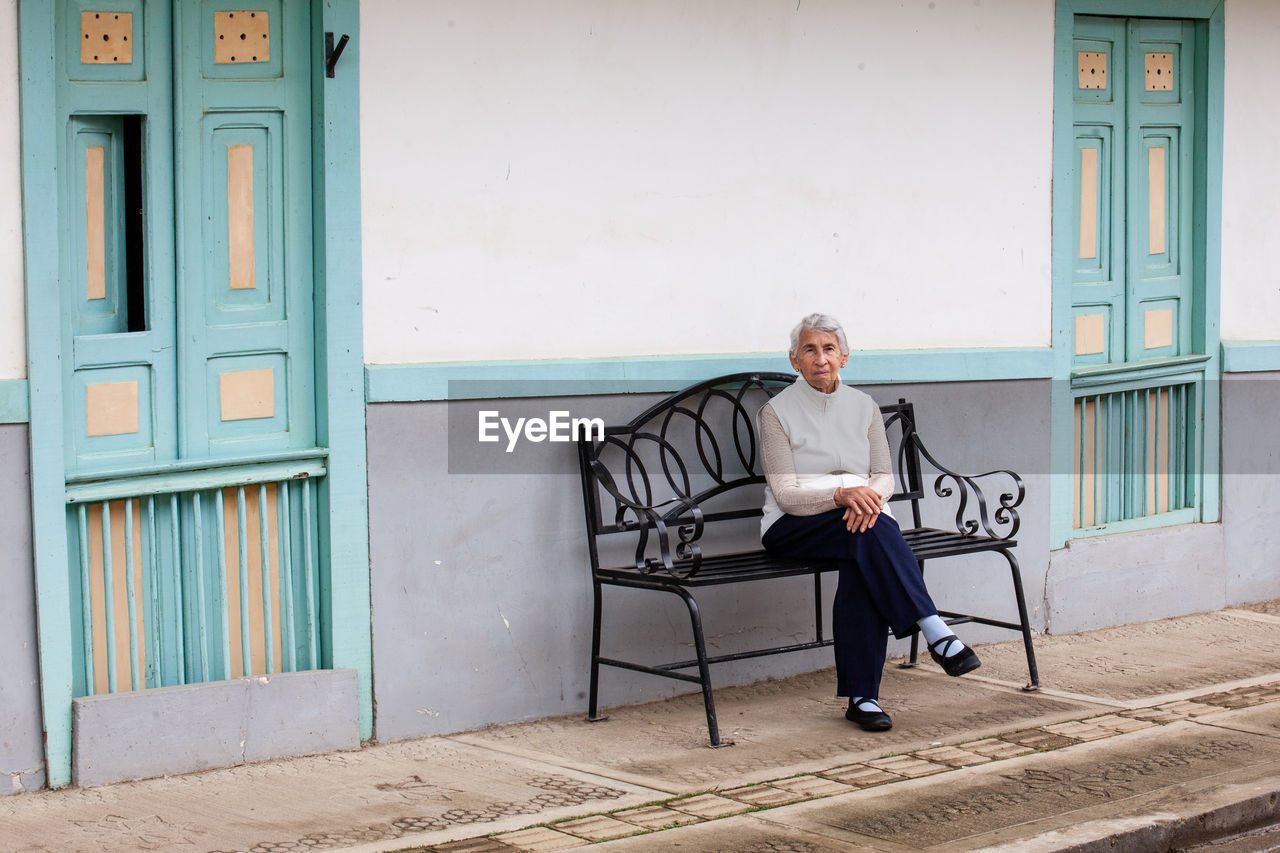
(1137, 457)
(207, 573)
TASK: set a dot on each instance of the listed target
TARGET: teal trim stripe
(14, 405)
(1250, 356)
(402, 383)
(1145, 8)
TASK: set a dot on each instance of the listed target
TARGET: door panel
(244, 129)
(1098, 290)
(1133, 125)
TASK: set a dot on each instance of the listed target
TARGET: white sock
(934, 629)
(870, 706)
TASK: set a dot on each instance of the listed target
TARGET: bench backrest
(699, 448)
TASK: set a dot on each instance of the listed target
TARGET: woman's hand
(862, 507)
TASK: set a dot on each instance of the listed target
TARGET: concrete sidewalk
(1146, 737)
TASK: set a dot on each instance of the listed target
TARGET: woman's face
(818, 359)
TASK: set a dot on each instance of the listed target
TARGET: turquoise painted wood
(1161, 132)
(262, 112)
(97, 346)
(388, 383)
(343, 494)
(196, 480)
(1250, 356)
(40, 128)
(1099, 269)
(1135, 243)
(1206, 328)
(1190, 290)
(71, 349)
(15, 405)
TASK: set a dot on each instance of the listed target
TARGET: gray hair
(820, 323)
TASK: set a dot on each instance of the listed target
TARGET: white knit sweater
(813, 443)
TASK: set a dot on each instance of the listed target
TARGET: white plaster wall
(13, 342)
(1251, 172)
(575, 178)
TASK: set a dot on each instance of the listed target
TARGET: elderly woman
(827, 467)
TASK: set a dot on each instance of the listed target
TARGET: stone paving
(1103, 748)
(901, 768)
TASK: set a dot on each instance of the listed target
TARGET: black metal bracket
(332, 53)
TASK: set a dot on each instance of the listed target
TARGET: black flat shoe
(872, 721)
(957, 664)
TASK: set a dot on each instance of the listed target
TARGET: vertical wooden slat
(1156, 473)
(1117, 455)
(1192, 432)
(202, 615)
(242, 540)
(108, 598)
(1125, 456)
(287, 623)
(1104, 455)
(1137, 441)
(135, 670)
(155, 666)
(86, 598)
(1144, 407)
(1078, 463)
(1170, 480)
(224, 613)
(1110, 463)
(1181, 456)
(175, 571)
(308, 556)
(264, 557)
(1098, 489)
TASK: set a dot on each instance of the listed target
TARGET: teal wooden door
(1134, 122)
(1137, 382)
(194, 341)
(188, 340)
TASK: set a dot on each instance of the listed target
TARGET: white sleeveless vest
(828, 435)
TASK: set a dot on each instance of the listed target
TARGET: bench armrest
(657, 520)
(1000, 524)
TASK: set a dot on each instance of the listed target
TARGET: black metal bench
(691, 463)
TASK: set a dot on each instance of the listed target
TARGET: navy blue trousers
(881, 588)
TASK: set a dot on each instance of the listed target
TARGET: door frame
(1207, 214)
(339, 357)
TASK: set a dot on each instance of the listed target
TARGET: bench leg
(704, 670)
(592, 713)
(1026, 624)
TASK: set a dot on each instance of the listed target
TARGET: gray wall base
(1251, 485)
(1135, 577)
(219, 724)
